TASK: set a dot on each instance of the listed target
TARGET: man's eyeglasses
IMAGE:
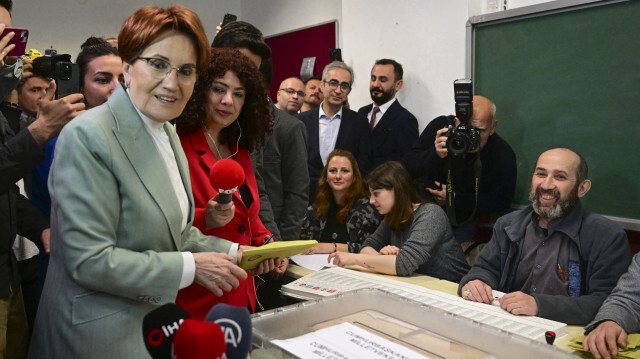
(291, 91)
(161, 68)
(333, 84)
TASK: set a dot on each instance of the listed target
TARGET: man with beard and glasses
(429, 160)
(313, 94)
(554, 259)
(393, 128)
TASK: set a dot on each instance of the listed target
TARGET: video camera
(464, 137)
(60, 68)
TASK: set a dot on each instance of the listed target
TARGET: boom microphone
(197, 339)
(226, 176)
(159, 328)
(236, 326)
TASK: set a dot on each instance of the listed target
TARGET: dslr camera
(464, 137)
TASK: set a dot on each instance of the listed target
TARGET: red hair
(325, 194)
(146, 24)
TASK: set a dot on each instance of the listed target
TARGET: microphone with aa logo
(226, 176)
(159, 327)
(236, 326)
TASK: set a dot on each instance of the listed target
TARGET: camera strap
(450, 200)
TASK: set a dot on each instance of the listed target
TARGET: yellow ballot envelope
(252, 257)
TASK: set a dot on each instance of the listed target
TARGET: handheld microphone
(197, 339)
(159, 327)
(226, 176)
(236, 326)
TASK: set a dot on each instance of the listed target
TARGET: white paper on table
(313, 261)
(344, 341)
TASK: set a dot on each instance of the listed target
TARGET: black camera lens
(459, 143)
(463, 139)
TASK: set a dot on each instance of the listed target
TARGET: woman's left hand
(279, 271)
(390, 250)
(342, 259)
(265, 266)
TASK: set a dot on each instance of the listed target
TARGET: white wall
(66, 24)
(426, 36)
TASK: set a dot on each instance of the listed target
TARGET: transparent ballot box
(372, 323)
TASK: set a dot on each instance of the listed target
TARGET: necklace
(206, 130)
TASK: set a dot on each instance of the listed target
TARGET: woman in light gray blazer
(122, 208)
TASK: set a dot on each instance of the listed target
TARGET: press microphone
(159, 327)
(226, 176)
(198, 339)
(236, 326)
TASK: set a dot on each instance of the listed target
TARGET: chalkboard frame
(631, 221)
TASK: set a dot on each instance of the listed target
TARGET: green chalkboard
(569, 79)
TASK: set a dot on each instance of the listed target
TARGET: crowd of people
(113, 183)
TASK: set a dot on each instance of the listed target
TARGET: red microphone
(197, 339)
(226, 176)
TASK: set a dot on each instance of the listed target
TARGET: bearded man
(393, 128)
(554, 259)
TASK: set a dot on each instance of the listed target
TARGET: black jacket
(394, 134)
(18, 155)
(497, 181)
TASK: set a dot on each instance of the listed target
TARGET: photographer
(429, 160)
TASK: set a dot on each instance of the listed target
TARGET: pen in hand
(267, 240)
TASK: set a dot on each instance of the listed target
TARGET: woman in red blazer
(227, 117)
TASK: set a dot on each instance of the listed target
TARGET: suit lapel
(312, 122)
(345, 126)
(183, 167)
(314, 130)
(141, 152)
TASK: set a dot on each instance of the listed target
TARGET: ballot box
(372, 323)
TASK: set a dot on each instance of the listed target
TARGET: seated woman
(341, 217)
(227, 117)
(414, 237)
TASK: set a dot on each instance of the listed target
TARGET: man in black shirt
(429, 158)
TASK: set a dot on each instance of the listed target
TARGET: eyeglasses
(161, 68)
(291, 91)
(333, 84)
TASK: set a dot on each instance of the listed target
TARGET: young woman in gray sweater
(415, 236)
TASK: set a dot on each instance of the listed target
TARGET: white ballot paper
(345, 341)
(312, 261)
